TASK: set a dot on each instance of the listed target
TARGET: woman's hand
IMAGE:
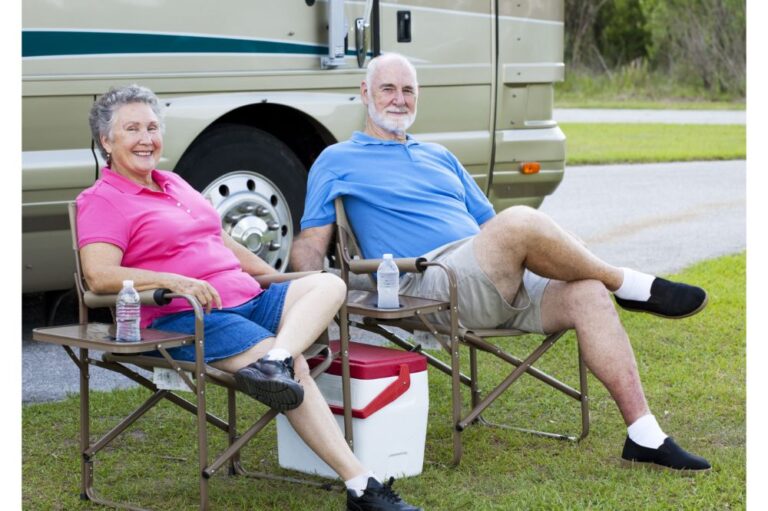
(205, 293)
(104, 274)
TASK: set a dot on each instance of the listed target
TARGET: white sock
(646, 431)
(636, 285)
(277, 354)
(359, 483)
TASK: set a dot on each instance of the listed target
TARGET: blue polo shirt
(401, 198)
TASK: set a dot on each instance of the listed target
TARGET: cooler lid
(367, 362)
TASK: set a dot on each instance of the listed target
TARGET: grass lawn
(639, 143)
(694, 377)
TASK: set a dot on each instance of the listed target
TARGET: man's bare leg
(586, 307)
(522, 237)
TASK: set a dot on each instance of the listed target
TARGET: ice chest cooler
(390, 401)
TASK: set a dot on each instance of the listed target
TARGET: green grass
(639, 143)
(637, 87)
(693, 373)
(576, 102)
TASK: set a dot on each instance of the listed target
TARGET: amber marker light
(530, 167)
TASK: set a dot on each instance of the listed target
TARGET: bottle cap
(387, 256)
(127, 283)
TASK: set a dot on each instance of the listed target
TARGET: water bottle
(128, 313)
(388, 283)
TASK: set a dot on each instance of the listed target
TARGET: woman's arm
(250, 262)
(104, 274)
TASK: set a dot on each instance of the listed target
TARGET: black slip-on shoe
(669, 300)
(378, 497)
(669, 456)
(271, 382)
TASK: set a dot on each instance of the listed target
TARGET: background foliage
(700, 45)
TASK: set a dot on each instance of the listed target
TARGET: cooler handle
(394, 390)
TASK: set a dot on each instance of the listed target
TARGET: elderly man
(516, 269)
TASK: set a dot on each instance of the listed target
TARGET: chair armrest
(148, 297)
(410, 265)
(274, 278)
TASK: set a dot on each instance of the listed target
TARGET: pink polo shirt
(175, 231)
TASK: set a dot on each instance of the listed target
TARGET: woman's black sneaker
(271, 382)
(378, 497)
(668, 456)
(669, 300)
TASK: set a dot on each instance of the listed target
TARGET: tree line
(701, 43)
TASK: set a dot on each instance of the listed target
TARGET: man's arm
(309, 248)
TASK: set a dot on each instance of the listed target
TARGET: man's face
(391, 97)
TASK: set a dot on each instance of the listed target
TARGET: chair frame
(411, 317)
(117, 356)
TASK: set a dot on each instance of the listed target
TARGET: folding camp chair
(117, 356)
(412, 317)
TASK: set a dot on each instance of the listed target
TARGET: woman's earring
(109, 160)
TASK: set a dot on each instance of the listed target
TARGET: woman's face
(136, 143)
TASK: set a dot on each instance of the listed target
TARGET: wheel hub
(255, 213)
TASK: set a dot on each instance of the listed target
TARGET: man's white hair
(386, 57)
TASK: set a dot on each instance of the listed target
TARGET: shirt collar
(362, 138)
(125, 185)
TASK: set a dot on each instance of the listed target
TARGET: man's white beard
(397, 126)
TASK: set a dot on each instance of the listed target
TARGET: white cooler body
(389, 441)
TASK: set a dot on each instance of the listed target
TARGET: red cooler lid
(367, 362)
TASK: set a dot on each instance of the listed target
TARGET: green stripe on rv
(42, 43)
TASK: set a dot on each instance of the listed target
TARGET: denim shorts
(231, 331)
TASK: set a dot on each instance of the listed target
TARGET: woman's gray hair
(102, 116)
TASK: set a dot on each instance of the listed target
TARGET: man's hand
(309, 248)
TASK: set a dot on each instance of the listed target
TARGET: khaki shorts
(480, 303)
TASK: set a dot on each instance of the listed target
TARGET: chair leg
(346, 390)
(456, 389)
(232, 429)
(202, 440)
(86, 465)
(526, 366)
(474, 376)
(584, 397)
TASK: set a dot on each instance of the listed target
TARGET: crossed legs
(577, 298)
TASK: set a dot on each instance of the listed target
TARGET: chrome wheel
(255, 213)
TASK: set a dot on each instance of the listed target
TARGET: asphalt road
(658, 218)
(650, 116)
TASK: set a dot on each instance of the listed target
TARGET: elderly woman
(147, 225)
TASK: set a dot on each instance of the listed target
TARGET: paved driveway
(597, 115)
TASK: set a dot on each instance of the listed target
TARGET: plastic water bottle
(128, 313)
(388, 283)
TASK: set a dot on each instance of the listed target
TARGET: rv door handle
(360, 48)
(403, 26)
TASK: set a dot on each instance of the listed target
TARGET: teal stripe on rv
(49, 43)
